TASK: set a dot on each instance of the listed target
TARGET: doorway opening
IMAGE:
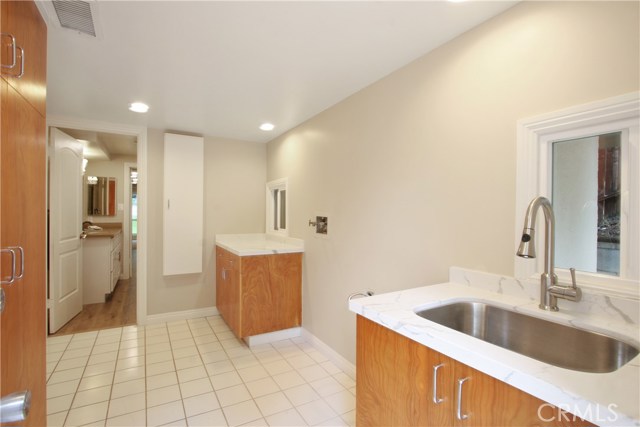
(113, 269)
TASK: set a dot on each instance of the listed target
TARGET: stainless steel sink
(549, 342)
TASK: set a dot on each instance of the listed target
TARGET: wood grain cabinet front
(403, 383)
(259, 294)
(23, 210)
(23, 51)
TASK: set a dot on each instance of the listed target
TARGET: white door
(65, 229)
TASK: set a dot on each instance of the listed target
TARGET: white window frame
(281, 184)
(533, 178)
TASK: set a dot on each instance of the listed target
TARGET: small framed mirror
(101, 196)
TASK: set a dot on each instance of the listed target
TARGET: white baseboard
(284, 334)
(181, 315)
(342, 363)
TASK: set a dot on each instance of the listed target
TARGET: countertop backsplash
(593, 304)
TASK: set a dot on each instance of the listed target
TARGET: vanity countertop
(258, 244)
(605, 399)
(108, 230)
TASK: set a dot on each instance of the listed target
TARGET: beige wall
(417, 171)
(234, 191)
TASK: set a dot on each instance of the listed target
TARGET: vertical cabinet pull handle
(437, 400)
(1, 300)
(21, 63)
(21, 250)
(13, 51)
(12, 278)
(224, 274)
(459, 413)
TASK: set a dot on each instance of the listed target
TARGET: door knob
(15, 407)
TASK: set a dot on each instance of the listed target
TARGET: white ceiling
(222, 68)
(104, 146)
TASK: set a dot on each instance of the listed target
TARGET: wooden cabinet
(23, 211)
(22, 23)
(102, 265)
(403, 383)
(228, 288)
(259, 294)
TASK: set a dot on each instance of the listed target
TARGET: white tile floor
(193, 373)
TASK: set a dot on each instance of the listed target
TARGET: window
(586, 198)
(277, 202)
(586, 161)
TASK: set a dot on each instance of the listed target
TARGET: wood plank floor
(119, 311)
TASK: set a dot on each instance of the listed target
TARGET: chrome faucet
(550, 291)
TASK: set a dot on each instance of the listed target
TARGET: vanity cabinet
(259, 293)
(101, 266)
(404, 383)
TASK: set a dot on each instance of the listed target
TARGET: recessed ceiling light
(138, 107)
(267, 126)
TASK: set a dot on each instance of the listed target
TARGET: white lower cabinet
(102, 265)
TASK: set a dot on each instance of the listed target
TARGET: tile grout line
(294, 348)
(113, 378)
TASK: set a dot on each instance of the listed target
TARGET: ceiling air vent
(75, 15)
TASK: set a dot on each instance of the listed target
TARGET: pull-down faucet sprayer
(550, 291)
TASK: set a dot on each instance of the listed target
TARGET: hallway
(120, 310)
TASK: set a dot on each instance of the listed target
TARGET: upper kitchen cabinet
(23, 53)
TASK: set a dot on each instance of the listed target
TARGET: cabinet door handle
(12, 278)
(21, 63)
(459, 413)
(21, 250)
(437, 400)
(13, 51)
(224, 274)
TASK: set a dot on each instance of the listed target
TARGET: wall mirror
(586, 161)
(101, 196)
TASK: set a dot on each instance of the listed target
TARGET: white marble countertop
(605, 399)
(259, 244)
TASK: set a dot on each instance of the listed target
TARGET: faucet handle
(571, 293)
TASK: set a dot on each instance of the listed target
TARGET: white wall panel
(183, 204)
